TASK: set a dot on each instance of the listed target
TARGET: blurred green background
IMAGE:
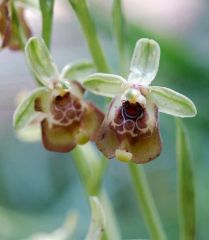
(39, 188)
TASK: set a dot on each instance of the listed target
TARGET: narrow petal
(77, 89)
(77, 70)
(171, 102)
(40, 62)
(92, 120)
(145, 62)
(59, 138)
(108, 85)
(26, 111)
(143, 148)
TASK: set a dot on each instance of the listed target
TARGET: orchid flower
(65, 119)
(130, 130)
(9, 26)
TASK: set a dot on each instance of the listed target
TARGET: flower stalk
(89, 30)
(146, 203)
(91, 169)
(47, 7)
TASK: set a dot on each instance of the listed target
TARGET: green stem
(47, 7)
(146, 203)
(119, 27)
(89, 30)
(91, 168)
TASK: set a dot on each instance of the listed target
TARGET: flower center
(132, 111)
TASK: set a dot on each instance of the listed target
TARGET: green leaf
(96, 227)
(108, 85)
(47, 7)
(77, 70)
(171, 102)
(25, 112)
(185, 185)
(145, 62)
(40, 61)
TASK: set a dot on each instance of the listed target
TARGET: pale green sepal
(77, 70)
(97, 224)
(25, 112)
(172, 102)
(108, 85)
(41, 62)
(145, 62)
(30, 133)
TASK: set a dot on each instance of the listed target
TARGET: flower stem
(91, 168)
(89, 30)
(47, 7)
(146, 203)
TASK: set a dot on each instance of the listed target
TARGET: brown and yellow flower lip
(131, 128)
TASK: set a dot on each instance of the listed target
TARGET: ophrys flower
(65, 118)
(130, 130)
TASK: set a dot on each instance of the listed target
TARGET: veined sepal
(145, 62)
(108, 85)
(41, 62)
(25, 112)
(77, 70)
(171, 102)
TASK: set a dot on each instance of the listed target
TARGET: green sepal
(171, 102)
(108, 85)
(145, 62)
(41, 62)
(77, 70)
(25, 112)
